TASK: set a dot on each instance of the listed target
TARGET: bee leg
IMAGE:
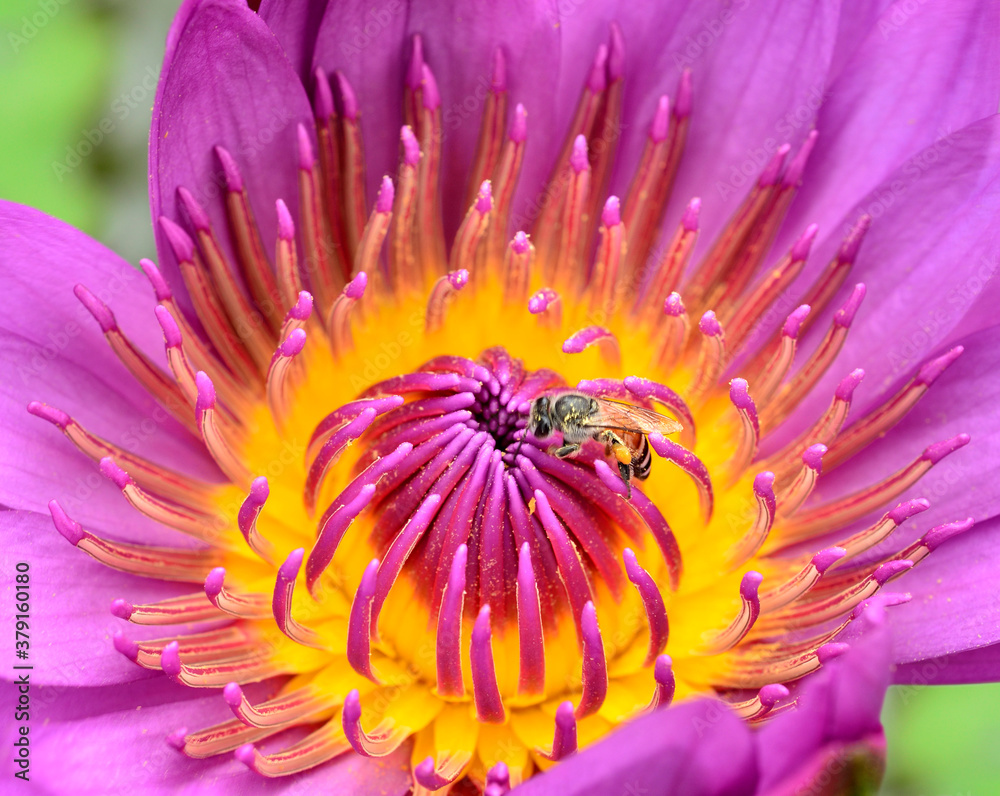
(565, 450)
(626, 472)
(624, 458)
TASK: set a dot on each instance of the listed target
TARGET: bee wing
(628, 417)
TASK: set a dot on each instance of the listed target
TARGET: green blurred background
(75, 105)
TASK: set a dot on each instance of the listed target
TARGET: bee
(621, 427)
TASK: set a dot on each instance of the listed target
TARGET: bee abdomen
(642, 459)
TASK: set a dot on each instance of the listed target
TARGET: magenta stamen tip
(214, 582)
(663, 669)
(936, 452)
(55, 416)
(889, 570)
(171, 332)
(294, 343)
(541, 301)
(125, 645)
(303, 306)
(260, 490)
(798, 165)
(908, 509)
(845, 315)
(940, 534)
(197, 214)
(484, 201)
(616, 53)
(597, 81)
(431, 95)
(170, 659)
(709, 325)
(458, 279)
(499, 81)
(355, 289)
(612, 480)
(763, 484)
(69, 528)
(690, 218)
(682, 108)
(770, 173)
(290, 569)
(411, 148)
(123, 609)
(233, 695)
(206, 392)
(825, 559)
(519, 125)
(247, 755)
(415, 71)
(578, 159)
(348, 99)
(114, 473)
(386, 196)
(930, 371)
(845, 390)
(286, 227)
(800, 251)
(323, 102)
(813, 457)
(828, 652)
(611, 216)
(750, 584)
(852, 243)
(739, 394)
(234, 180)
(793, 324)
(104, 317)
(520, 244)
(499, 775)
(160, 287)
(771, 695)
(176, 738)
(660, 125)
(180, 242)
(673, 305)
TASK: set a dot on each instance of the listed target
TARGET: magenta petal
(672, 752)
(225, 82)
(98, 741)
(972, 666)
(962, 400)
(857, 20)
(921, 74)
(56, 353)
(71, 595)
(919, 286)
(295, 23)
(956, 598)
(751, 65)
(840, 705)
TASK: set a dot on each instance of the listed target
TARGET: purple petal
(924, 261)
(295, 23)
(956, 598)
(71, 595)
(840, 705)
(225, 82)
(923, 72)
(669, 752)
(963, 400)
(857, 20)
(751, 66)
(972, 666)
(112, 740)
(54, 352)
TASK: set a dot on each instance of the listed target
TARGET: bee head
(540, 424)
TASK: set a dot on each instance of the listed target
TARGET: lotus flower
(360, 554)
